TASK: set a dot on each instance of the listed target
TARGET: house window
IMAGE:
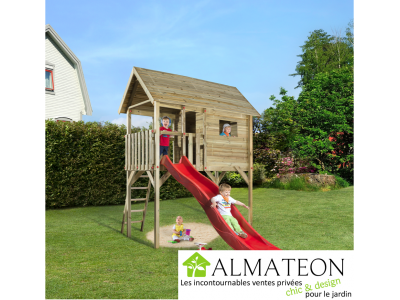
(49, 80)
(233, 125)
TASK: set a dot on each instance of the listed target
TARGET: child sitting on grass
(223, 203)
(178, 229)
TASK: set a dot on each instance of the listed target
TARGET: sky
(252, 45)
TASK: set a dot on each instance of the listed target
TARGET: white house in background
(66, 93)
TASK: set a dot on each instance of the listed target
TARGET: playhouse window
(234, 131)
(49, 80)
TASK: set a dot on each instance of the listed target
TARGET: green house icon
(196, 265)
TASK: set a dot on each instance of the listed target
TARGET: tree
(350, 34)
(325, 115)
(323, 53)
(278, 122)
(315, 58)
(342, 47)
(318, 126)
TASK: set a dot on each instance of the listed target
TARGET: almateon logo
(196, 265)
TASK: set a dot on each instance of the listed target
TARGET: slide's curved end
(203, 189)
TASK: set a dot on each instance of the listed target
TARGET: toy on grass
(187, 236)
(200, 245)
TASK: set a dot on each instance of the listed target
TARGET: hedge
(85, 165)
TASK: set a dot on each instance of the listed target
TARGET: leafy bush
(295, 183)
(278, 163)
(267, 157)
(289, 164)
(85, 165)
(301, 184)
(234, 179)
(340, 182)
(258, 172)
(318, 126)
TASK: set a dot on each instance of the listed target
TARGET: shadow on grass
(138, 240)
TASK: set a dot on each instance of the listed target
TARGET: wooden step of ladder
(138, 199)
(125, 212)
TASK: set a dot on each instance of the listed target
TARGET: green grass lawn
(87, 256)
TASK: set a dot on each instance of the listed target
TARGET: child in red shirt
(164, 138)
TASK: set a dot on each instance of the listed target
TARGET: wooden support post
(176, 138)
(183, 131)
(126, 152)
(128, 137)
(138, 104)
(210, 175)
(164, 178)
(128, 186)
(152, 151)
(220, 177)
(243, 174)
(150, 174)
(134, 176)
(198, 163)
(205, 139)
(250, 169)
(128, 122)
(127, 144)
(190, 145)
(157, 178)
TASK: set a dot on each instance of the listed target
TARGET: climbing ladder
(128, 215)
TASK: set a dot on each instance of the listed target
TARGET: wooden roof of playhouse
(167, 88)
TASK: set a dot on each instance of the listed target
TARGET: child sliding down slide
(223, 203)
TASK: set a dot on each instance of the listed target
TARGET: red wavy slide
(203, 189)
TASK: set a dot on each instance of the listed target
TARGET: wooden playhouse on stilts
(198, 110)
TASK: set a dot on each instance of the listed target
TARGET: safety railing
(140, 149)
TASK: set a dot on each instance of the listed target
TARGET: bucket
(187, 231)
